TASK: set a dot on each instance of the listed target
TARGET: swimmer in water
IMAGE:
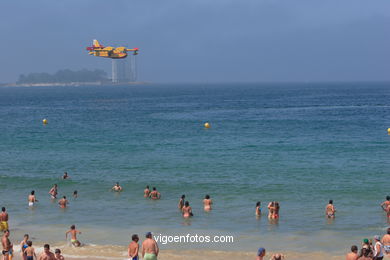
(155, 195)
(330, 210)
(117, 187)
(53, 192)
(181, 202)
(207, 202)
(63, 202)
(75, 194)
(187, 210)
(146, 192)
(32, 199)
(271, 209)
(276, 210)
(24, 246)
(65, 176)
(258, 209)
(73, 231)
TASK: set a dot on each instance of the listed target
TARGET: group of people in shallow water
(149, 246)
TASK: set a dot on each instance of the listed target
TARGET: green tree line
(64, 76)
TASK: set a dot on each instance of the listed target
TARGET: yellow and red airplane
(109, 52)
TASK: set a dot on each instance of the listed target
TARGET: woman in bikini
(330, 210)
(24, 246)
(187, 210)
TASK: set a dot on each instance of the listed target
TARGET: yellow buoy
(388, 131)
(207, 125)
(44, 121)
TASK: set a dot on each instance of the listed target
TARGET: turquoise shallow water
(300, 144)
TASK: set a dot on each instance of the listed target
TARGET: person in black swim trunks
(7, 245)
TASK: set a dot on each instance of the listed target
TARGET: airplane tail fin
(96, 43)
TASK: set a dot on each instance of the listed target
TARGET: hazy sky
(202, 40)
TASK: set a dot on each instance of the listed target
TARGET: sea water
(299, 144)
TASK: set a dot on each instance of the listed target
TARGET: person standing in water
(24, 246)
(30, 251)
(63, 202)
(3, 219)
(386, 203)
(150, 248)
(117, 187)
(133, 248)
(330, 210)
(258, 209)
(155, 195)
(207, 202)
(53, 192)
(181, 202)
(65, 176)
(32, 199)
(75, 194)
(146, 192)
(187, 210)
(73, 232)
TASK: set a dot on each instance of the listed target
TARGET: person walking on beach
(7, 245)
(133, 247)
(57, 254)
(63, 202)
(181, 202)
(146, 192)
(150, 248)
(260, 253)
(353, 254)
(386, 242)
(117, 187)
(53, 192)
(3, 219)
(73, 231)
(30, 251)
(46, 254)
(187, 210)
(258, 209)
(24, 246)
(330, 210)
(378, 248)
(155, 195)
(32, 199)
(207, 202)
